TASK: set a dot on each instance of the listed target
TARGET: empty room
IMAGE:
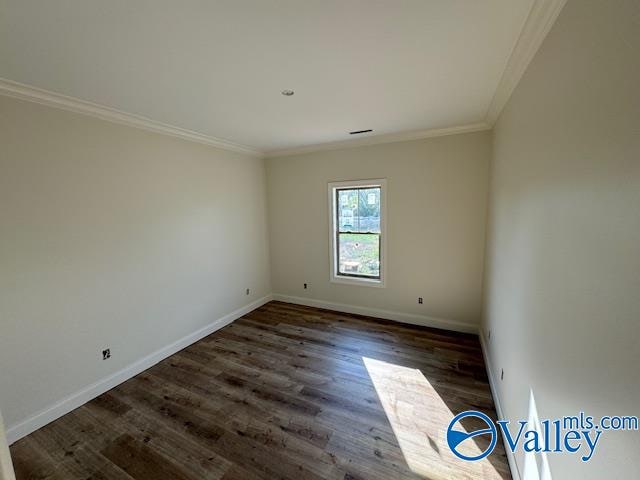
(319, 239)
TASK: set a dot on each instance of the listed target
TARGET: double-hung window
(357, 211)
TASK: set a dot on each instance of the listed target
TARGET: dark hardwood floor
(286, 392)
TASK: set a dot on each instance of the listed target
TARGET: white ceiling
(218, 67)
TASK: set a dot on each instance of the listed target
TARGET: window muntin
(358, 234)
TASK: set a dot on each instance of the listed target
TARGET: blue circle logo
(457, 436)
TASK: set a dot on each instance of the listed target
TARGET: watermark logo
(570, 434)
(457, 435)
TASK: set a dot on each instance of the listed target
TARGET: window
(357, 231)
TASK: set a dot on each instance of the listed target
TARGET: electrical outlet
(502, 374)
(106, 353)
(420, 300)
(305, 286)
(248, 291)
(489, 335)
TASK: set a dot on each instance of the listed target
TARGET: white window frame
(334, 277)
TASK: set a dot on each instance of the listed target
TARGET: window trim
(334, 277)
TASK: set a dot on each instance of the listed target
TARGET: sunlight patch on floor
(419, 418)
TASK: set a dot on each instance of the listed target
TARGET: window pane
(348, 210)
(359, 254)
(369, 210)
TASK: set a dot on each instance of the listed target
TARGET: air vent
(358, 132)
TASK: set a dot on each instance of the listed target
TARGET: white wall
(436, 194)
(563, 255)
(114, 237)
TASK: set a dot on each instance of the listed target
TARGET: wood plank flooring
(286, 392)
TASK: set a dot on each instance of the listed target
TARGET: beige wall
(114, 237)
(563, 256)
(437, 191)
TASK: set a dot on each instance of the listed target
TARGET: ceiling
(218, 67)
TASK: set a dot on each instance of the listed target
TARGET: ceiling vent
(358, 132)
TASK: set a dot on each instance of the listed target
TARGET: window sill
(360, 282)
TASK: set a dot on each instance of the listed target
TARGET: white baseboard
(77, 399)
(410, 318)
(515, 473)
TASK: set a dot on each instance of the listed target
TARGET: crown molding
(379, 139)
(21, 91)
(541, 18)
